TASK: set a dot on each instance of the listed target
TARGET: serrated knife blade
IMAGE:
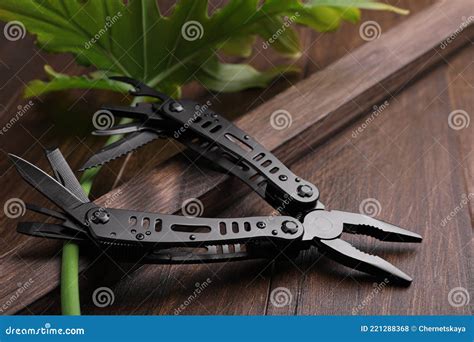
(119, 148)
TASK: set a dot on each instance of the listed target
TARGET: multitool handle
(220, 141)
(162, 231)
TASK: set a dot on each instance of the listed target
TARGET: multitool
(302, 221)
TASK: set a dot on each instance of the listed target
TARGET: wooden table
(407, 159)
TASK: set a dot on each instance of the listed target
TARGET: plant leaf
(278, 34)
(350, 14)
(240, 46)
(322, 18)
(362, 4)
(58, 81)
(235, 77)
(133, 38)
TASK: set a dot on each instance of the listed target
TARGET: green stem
(69, 280)
(70, 303)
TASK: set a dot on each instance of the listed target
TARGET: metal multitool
(160, 238)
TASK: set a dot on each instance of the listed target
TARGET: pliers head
(324, 228)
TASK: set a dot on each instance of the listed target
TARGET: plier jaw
(325, 228)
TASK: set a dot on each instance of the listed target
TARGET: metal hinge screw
(289, 227)
(305, 191)
(176, 107)
(100, 216)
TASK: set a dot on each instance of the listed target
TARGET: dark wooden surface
(408, 159)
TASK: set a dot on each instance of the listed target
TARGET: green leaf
(277, 33)
(58, 81)
(362, 4)
(240, 46)
(235, 77)
(322, 19)
(133, 38)
(349, 14)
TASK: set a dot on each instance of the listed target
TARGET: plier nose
(325, 228)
